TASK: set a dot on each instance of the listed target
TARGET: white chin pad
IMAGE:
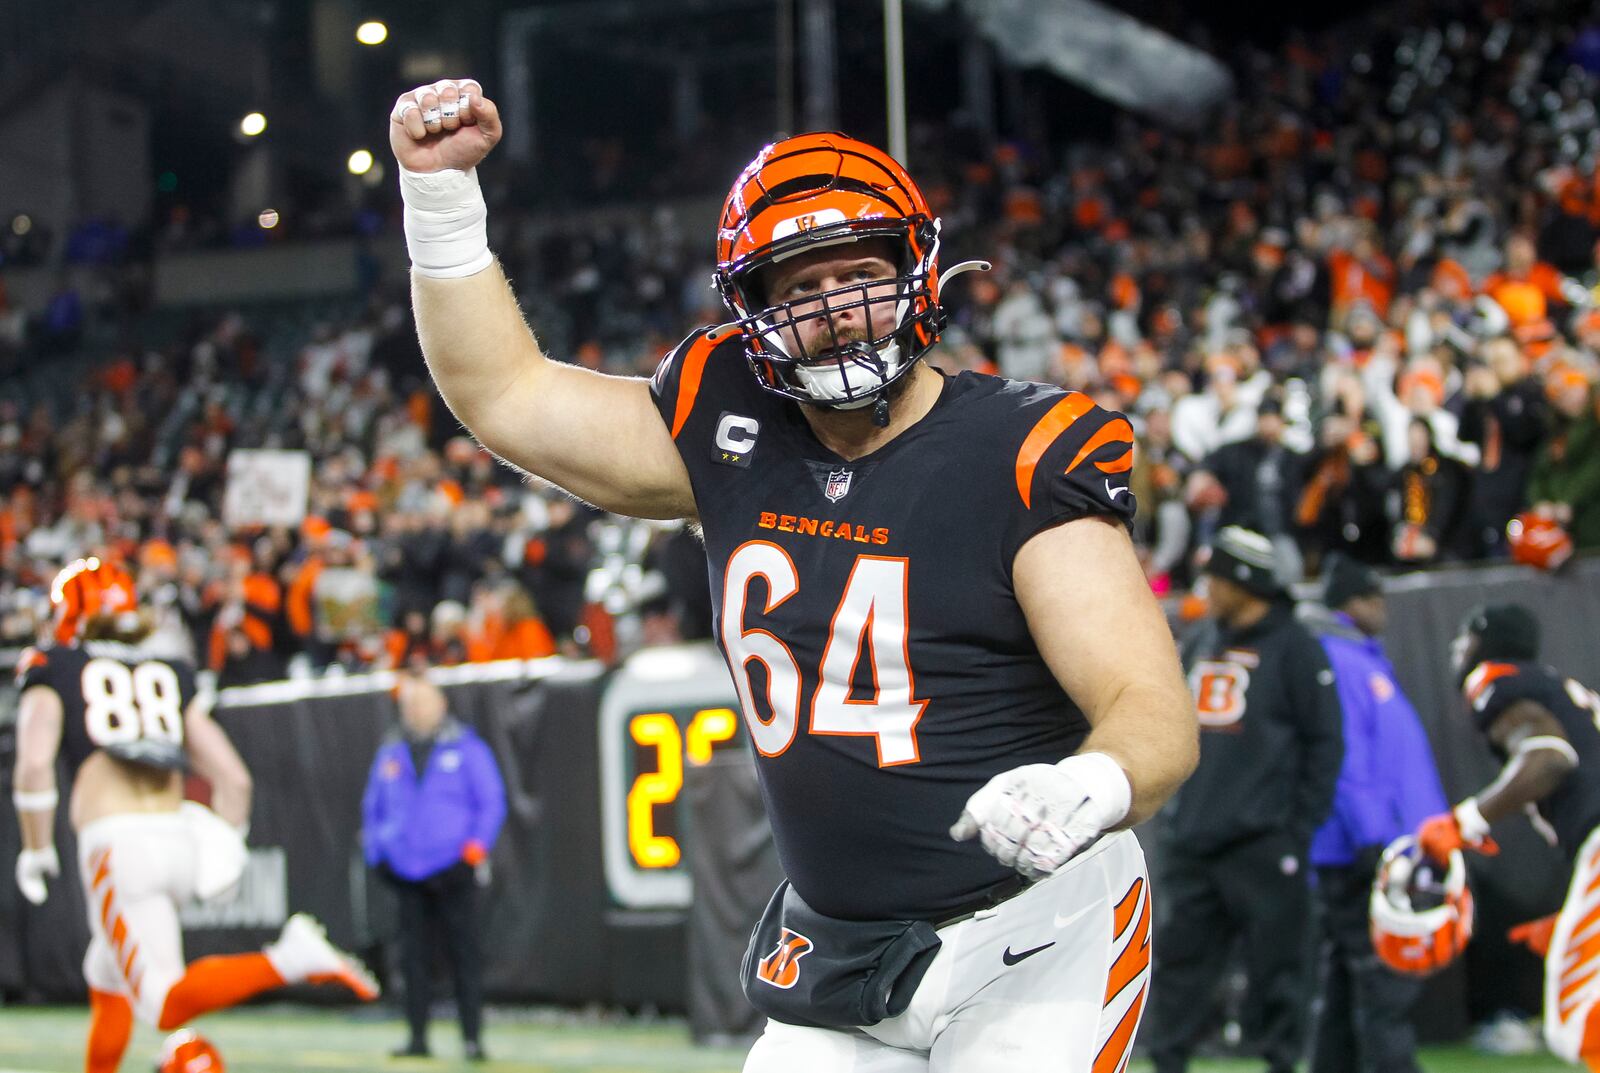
(826, 382)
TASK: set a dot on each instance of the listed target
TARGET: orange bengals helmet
(188, 1052)
(805, 193)
(1419, 921)
(1538, 541)
(86, 588)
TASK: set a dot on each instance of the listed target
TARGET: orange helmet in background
(186, 1051)
(1420, 920)
(812, 191)
(86, 588)
(1538, 541)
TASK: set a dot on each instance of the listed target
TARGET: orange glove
(1461, 828)
(474, 853)
(1535, 934)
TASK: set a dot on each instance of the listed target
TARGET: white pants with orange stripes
(137, 869)
(1572, 966)
(1054, 978)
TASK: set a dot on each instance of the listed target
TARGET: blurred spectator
(1220, 414)
(1388, 785)
(431, 812)
(1565, 482)
(243, 646)
(1427, 501)
(1257, 481)
(1341, 504)
(1505, 415)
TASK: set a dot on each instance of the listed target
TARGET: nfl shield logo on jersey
(838, 484)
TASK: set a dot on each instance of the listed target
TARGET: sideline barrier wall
(624, 790)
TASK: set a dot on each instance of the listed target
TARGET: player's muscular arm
(34, 776)
(597, 436)
(215, 760)
(1540, 758)
(1097, 625)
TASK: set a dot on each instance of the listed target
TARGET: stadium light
(268, 219)
(252, 124)
(372, 32)
(21, 224)
(360, 162)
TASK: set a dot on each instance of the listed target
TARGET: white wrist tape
(446, 221)
(35, 800)
(1474, 828)
(1550, 742)
(1105, 781)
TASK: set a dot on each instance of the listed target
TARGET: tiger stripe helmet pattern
(86, 588)
(186, 1051)
(812, 191)
(1408, 934)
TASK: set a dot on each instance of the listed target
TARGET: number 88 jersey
(114, 697)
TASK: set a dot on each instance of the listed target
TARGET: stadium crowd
(1357, 312)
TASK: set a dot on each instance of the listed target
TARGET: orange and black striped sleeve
(678, 379)
(1070, 458)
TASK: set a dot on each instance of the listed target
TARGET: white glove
(33, 867)
(1038, 817)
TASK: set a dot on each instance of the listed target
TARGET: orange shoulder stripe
(1049, 429)
(694, 367)
(1479, 679)
(1114, 431)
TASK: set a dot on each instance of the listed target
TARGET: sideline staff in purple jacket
(430, 815)
(1388, 785)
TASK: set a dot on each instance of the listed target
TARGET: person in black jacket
(1235, 837)
(1506, 416)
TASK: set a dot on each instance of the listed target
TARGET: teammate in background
(1547, 729)
(959, 686)
(127, 725)
(1236, 837)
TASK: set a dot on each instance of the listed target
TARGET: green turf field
(286, 1038)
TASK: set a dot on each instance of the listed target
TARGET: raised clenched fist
(448, 124)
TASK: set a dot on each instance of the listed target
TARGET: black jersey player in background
(959, 686)
(120, 726)
(1546, 729)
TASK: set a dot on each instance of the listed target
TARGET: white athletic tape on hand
(402, 108)
(446, 222)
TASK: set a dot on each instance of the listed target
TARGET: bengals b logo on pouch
(781, 968)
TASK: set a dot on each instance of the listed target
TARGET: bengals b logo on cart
(781, 968)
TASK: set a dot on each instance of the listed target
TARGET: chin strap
(880, 412)
(965, 266)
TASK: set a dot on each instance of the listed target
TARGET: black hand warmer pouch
(803, 968)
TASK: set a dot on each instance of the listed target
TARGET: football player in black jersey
(1546, 728)
(124, 726)
(958, 684)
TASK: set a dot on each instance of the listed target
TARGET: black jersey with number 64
(866, 610)
(114, 698)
